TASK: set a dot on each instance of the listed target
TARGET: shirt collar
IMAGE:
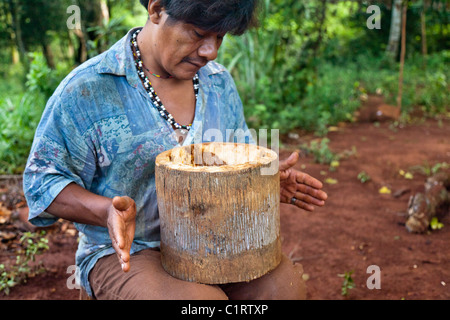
(118, 60)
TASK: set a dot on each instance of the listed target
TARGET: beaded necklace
(151, 91)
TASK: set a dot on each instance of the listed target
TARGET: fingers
(123, 253)
(118, 245)
(304, 206)
(293, 189)
(306, 179)
(121, 227)
(124, 260)
(306, 197)
(118, 240)
(309, 200)
(313, 192)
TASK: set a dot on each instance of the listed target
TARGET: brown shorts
(147, 280)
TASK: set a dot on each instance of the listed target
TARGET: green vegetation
(321, 152)
(348, 282)
(31, 244)
(297, 71)
(435, 224)
(363, 177)
(21, 113)
(428, 169)
(306, 66)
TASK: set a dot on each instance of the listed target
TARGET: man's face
(182, 49)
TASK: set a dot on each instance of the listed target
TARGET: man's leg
(283, 283)
(146, 280)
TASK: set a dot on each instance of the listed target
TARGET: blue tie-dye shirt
(101, 131)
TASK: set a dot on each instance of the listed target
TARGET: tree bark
(105, 11)
(402, 58)
(219, 217)
(48, 54)
(15, 57)
(15, 14)
(394, 34)
(424, 33)
(82, 54)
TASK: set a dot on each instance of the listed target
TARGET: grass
(32, 244)
(425, 81)
(19, 116)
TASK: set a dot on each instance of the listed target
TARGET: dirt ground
(359, 227)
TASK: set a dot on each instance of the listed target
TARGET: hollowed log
(219, 207)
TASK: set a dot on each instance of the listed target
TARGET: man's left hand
(299, 188)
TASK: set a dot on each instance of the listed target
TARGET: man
(93, 158)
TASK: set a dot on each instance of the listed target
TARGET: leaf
(334, 163)
(333, 129)
(331, 181)
(363, 177)
(409, 176)
(435, 224)
(384, 190)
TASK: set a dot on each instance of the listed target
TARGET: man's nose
(209, 48)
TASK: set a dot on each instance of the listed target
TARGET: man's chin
(185, 74)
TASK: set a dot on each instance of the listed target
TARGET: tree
(394, 34)
(47, 17)
(29, 24)
(95, 14)
(12, 13)
(402, 58)
(423, 28)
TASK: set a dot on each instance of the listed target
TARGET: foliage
(41, 79)
(32, 244)
(363, 177)
(435, 224)
(334, 97)
(321, 151)
(19, 118)
(348, 282)
(41, 15)
(21, 114)
(428, 170)
(293, 72)
(423, 86)
(272, 65)
(106, 34)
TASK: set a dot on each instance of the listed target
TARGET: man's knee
(203, 292)
(287, 282)
(283, 283)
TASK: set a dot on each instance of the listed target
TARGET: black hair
(221, 16)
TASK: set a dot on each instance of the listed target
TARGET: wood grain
(219, 215)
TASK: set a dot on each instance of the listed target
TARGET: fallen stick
(422, 207)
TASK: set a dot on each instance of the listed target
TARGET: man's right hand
(76, 204)
(121, 226)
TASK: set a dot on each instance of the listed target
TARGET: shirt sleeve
(59, 156)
